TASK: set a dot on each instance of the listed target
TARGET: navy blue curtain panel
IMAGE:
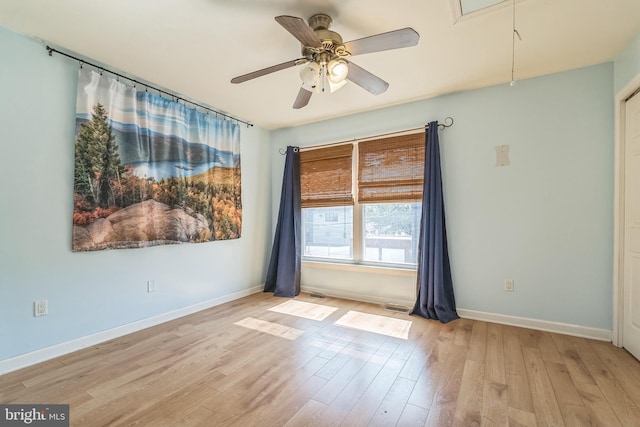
(435, 298)
(283, 275)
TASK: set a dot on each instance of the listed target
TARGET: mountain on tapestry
(150, 171)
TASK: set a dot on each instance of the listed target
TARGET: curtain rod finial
(448, 122)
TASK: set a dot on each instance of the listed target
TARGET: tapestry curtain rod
(448, 122)
(171, 95)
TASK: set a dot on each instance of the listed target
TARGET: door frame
(618, 209)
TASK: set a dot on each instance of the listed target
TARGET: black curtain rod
(177, 98)
(448, 122)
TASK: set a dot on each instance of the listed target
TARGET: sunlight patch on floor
(270, 328)
(383, 325)
(307, 310)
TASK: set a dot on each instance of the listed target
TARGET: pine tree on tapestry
(110, 170)
(97, 160)
(82, 184)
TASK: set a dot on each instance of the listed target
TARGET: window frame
(358, 232)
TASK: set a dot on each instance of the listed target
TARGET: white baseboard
(358, 297)
(61, 349)
(542, 325)
(523, 322)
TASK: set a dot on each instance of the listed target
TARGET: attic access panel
(464, 9)
(469, 6)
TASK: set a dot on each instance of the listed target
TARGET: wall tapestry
(150, 171)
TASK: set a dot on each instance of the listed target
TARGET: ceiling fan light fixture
(337, 70)
(335, 86)
(310, 75)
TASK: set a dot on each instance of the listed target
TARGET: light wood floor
(204, 370)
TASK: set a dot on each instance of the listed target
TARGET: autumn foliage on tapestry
(150, 171)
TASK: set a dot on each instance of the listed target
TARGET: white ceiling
(195, 47)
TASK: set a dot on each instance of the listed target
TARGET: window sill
(362, 268)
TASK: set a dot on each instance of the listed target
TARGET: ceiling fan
(325, 57)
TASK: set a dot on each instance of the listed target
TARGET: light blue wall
(545, 221)
(94, 291)
(627, 64)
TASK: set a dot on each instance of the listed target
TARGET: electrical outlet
(151, 286)
(508, 285)
(40, 308)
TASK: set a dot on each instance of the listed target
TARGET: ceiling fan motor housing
(331, 41)
(320, 21)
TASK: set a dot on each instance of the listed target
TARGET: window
(391, 232)
(361, 202)
(325, 238)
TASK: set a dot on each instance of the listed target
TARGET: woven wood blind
(391, 169)
(326, 176)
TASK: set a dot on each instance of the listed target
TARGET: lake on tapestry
(160, 156)
(167, 169)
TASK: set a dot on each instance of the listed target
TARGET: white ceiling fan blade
(302, 99)
(300, 30)
(268, 70)
(396, 39)
(366, 80)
